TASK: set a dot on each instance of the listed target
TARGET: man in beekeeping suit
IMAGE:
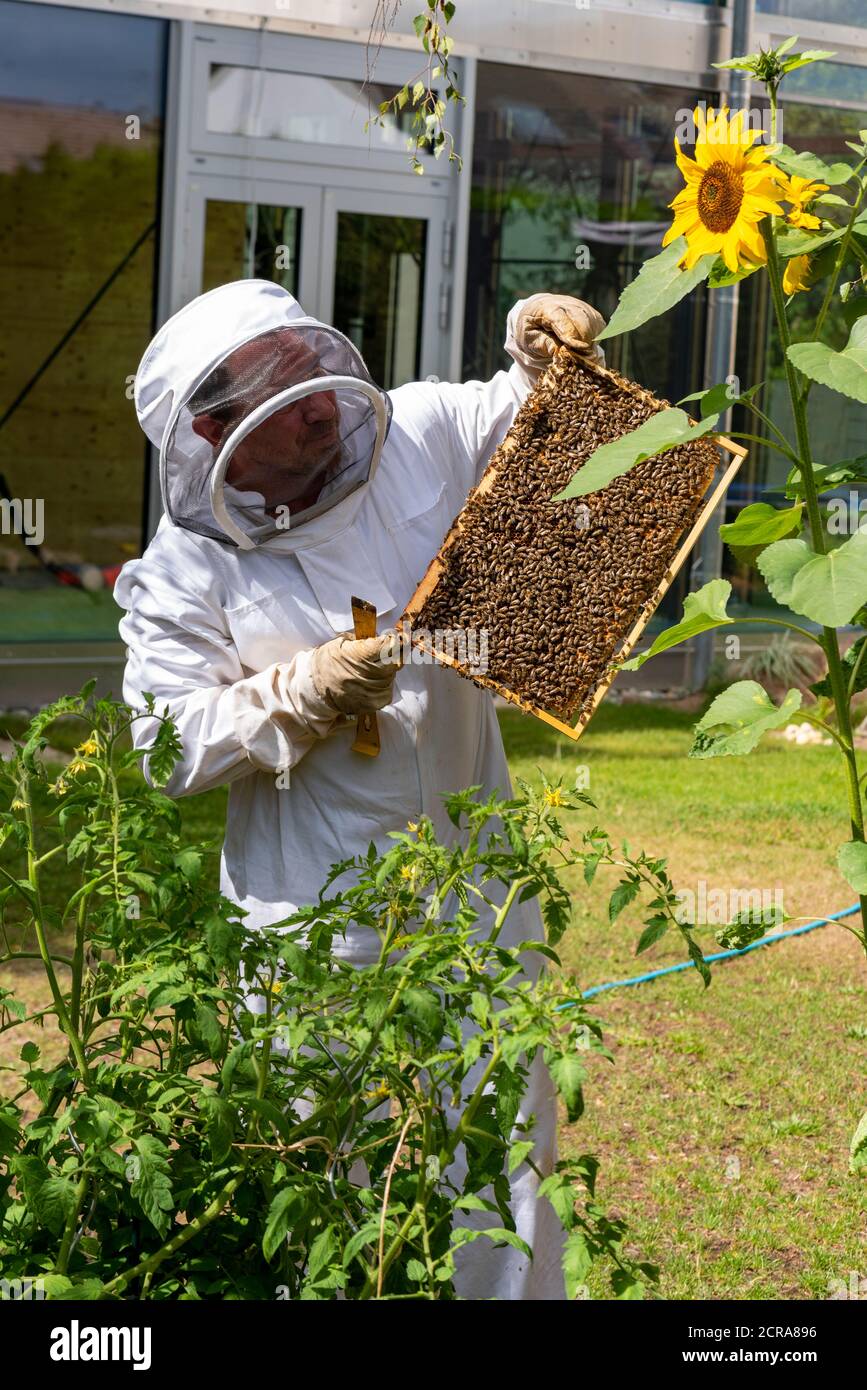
(291, 482)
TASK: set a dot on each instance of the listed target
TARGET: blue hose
(720, 955)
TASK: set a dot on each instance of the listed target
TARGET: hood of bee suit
(268, 423)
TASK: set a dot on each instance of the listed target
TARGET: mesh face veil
(284, 427)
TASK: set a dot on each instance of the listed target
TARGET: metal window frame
(247, 164)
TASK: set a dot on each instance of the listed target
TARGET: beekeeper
(291, 482)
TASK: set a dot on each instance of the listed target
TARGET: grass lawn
(723, 1126)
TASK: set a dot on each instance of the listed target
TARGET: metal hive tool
(564, 590)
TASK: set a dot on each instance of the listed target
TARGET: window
(572, 177)
(823, 11)
(81, 108)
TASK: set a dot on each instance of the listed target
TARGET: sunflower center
(720, 195)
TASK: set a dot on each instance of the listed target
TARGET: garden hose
(720, 955)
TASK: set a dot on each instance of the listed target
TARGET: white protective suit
(223, 636)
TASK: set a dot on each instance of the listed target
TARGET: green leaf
(283, 1213)
(568, 1075)
(852, 863)
(659, 285)
(829, 588)
(858, 1147)
(623, 895)
(810, 166)
(223, 939)
(518, 1152)
(702, 611)
(739, 933)
(828, 476)
(651, 934)
(150, 1181)
(219, 1124)
(577, 1263)
(665, 430)
(758, 526)
(423, 1007)
(500, 1235)
(844, 371)
(738, 718)
(720, 275)
(809, 55)
(208, 1027)
(54, 1202)
(796, 242)
(850, 657)
(189, 861)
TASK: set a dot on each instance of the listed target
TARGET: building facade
(150, 150)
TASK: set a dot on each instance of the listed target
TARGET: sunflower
(799, 192)
(795, 277)
(730, 187)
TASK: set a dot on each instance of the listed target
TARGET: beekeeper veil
(265, 417)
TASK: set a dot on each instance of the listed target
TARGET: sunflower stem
(830, 641)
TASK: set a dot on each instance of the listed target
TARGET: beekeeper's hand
(355, 675)
(538, 325)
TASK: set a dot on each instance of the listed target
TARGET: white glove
(354, 676)
(538, 325)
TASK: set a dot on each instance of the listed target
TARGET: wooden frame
(713, 494)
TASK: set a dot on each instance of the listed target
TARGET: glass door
(260, 229)
(380, 281)
(368, 263)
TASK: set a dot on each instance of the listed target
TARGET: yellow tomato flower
(409, 871)
(730, 187)
(77, 765)
(795, 277)
(88, 748)
(553, 796)
(380, 1092)
(412, 827)
(799, 192)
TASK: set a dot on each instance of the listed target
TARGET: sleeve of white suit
(229, 724)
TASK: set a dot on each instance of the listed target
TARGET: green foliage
(758, 526)
(828, 588)
(702, 611)
(660, 285)
(200, 1136)
(666, 430)
(422, 96)
(771, 65)
(844, 371)
(852, 861)
(738, 718)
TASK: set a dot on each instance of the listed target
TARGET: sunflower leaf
(810, 166)
(795, 242)
(659, 285)
(702, 611)
(758, 526)
(845, 371)
(828, 476)
(737, 719)
(720, 275)
(663, 431)
(828, 588)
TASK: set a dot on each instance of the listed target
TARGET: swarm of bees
(556, 586)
